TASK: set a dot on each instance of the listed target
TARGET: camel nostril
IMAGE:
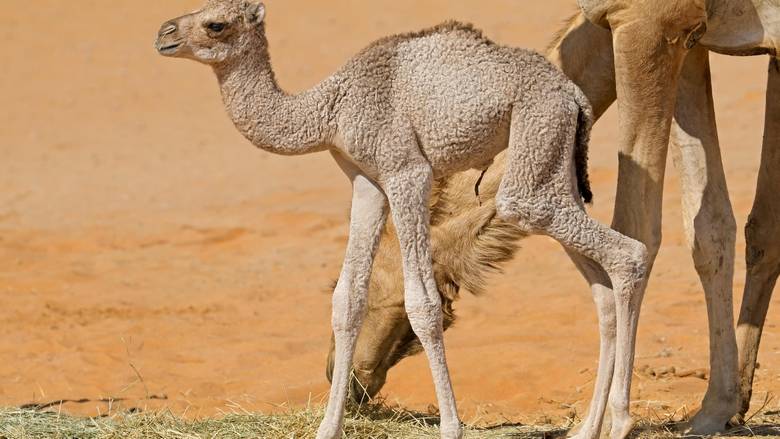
(167, 29)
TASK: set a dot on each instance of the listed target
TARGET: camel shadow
(766, 425)
(380, 412)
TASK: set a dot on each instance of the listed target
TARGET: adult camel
(652, 58)
(662, 83)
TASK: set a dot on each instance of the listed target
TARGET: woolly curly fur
(469, 241)
(585, 118)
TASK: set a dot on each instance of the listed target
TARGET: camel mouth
(169, 49)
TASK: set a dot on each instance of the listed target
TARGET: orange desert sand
(139, 230)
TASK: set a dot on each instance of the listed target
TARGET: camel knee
(348, 311)
(425, 313)
(713, 244)
(629, 267)
(635, 255)
(638, 257)
(763, 268)
(762, 233)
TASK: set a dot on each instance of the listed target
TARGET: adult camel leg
(763, 243)
(369, 213)
(408, 192)
(647, 66)
(710, 231)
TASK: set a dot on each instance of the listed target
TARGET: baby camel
(405, 110)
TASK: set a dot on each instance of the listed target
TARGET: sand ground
(140, 235)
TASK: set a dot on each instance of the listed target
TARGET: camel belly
(449, 158)
(455, 138)
(744, 27)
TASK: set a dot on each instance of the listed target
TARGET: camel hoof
(737, 420)
(455, 432)
(621, 428)
(713, 418)
(703, 424)
(329, 431)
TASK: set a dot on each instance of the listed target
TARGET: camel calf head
(220, 32)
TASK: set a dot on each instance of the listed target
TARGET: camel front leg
(369, 213)
(648, 58)
(408, 192)
(763, 243)
(710, 231)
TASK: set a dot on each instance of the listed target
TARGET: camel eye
(216, 27)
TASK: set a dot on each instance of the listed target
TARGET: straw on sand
(368, 422)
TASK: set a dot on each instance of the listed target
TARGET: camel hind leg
(539, 192)
(604, 299)
(710, 231)
(762, 234)
(624, 260)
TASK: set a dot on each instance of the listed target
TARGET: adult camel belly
(743, 27)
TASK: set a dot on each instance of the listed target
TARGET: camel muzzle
(167, 32)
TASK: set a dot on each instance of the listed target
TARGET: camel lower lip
(171, 48)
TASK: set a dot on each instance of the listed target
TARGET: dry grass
(378, 422)
(365, 423)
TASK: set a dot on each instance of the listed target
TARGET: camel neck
(268, 117)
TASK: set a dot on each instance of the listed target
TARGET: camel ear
(255, 13)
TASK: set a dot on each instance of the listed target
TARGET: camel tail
(584, 125)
